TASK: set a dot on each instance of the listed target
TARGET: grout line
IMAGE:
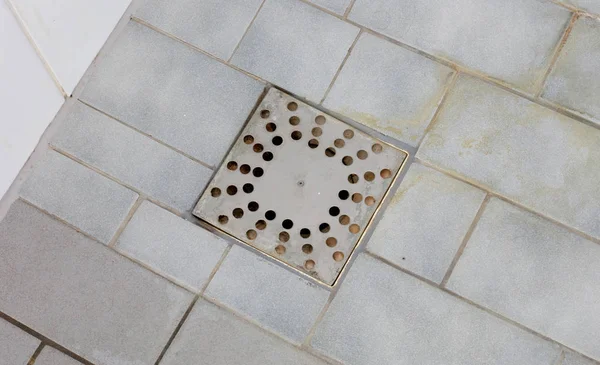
(36, 353)
(216, 268)
(442, 103)
(112, 243)
(349, 9)
(177, 328)
(148, 135)
(574, 9)
(313, 329)
(561, 358)
(556, 54)
(339, 70)
(246, 31)
(465, 240)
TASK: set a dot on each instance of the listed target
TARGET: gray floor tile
(572, 359)
(132, 158)
(50, 356)
(172, 92)
(210, 335)
(80, 196)
(279, 300)
(82, 294)
(511, 40)
(16, 346)
(519, 149)
(295, 46)
(383, 316)
(534, 272)
(389, 88)
(426, 222)
(337, 6)
(214, 26)
(592, 6)
(171, 245)
(575, 80)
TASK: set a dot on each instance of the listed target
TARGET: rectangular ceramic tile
(28, 98)
(69, 33)
(16, 346)
(519, 149)
(131, 157)
(511, 40)
(535, 273)
(389, 88)
(426, 222)
(172, 92)
(214, 26)
(573, 359)
(173, 246)
(295, 46)
(592, 6)
(50, 356)
(383, 316)
(220, 338)
(80, 196)
(286, 303)
(575, 81)
(83, 295)
(337, 6)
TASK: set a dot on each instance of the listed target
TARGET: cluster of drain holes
(288, 224)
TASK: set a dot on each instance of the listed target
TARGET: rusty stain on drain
(314, 186)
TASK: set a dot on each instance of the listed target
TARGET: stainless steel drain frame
(301, 186)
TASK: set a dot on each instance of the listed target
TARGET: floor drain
(300, 186)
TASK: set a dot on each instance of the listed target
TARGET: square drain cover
(300, 186)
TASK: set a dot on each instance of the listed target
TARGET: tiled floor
(488, 252)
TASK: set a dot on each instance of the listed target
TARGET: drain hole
(369, 176)
(347, 160)
(343, 194)
(324, 227)
(238, 213)
(313, 143)
(280, 249)
(317, 132)
(331, 242)
(377, 148)
(271, 127)
(287, 224)
(253, 206)
(215, 192)
(260, 224)
(356, 197)
(305, 233)
(385, 173)
(307, 248)
(339, 143)
(258, 148)
(362, 154)
(231, 190)
(309, 264)
(251, 234)
(353, 178)
(248, 188)
(294, 120)
(348, 133)
(338, 256)
(330, 152)
(334, 211)
(248, 139)
(258, 172)
(292, 106)
(320, 120)
(369, 200)
(284, 237)
(244, 169)
(267, 156)
(223, 219)
(354, 228)
(270, 215)
(296, 135)
(265, 113)
(232, 165)
(344, 220)
(277, 140)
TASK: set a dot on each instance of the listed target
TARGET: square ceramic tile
(337, 6)
(51, 356)
(16, 345)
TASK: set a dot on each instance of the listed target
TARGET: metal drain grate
(300, 186)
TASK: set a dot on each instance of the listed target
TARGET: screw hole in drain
(313, 143)
(284, 236)
(267, 156)
(309, 264)
(344, 219)
(377, 148)
(320, 120)
(260, 224)
(232, 165)
(258, 172)
(307, 248)
(369, 176)
(280, 249)
(317, 132)
(386, 174)
(244, 169)
(330, 152)
(339, 143)
(369, 200)
(362, 154)
(231, 190)
(343, 194)
(265, 114)
(248, 188)
(334, 211)
(270, 215)
(305, 233)
(352, 178)
(223, 219)
(348, 134)
(347, 160)
(215, 192)
(253, 206)
(331, 242)
(292, 106)
(287, 224)
(248, 139)
(238, 213)
(296, 135)
(277, 140)
(357, 197)
(294, 120)
(354, 228)
(338, 256)
(251, 234)
(324, 227)
(258, 148)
